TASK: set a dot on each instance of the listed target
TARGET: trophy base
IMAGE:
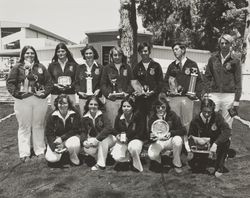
(89, 94)
(118, 95)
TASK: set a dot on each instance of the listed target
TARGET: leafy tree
(199, 23)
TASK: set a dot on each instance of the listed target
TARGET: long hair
(68, 53)
(119, 51)
(59, 98)
(142, 45)
(160, 101)
(130, 101)
(99, 102)
(24, 50)
(95, 53)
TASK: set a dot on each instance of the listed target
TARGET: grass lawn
(36, 179)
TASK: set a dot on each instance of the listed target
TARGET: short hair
(119, 50)
(59, 98)
(128, 99)
(24, 50)
(99, 102)
(208, 103)
(182, 45)
(142, 45)
(226, 37)
(68, 53)
(96, 56)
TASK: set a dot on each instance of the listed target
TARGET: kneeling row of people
(66, 128)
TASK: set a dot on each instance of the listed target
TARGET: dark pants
(201, 161)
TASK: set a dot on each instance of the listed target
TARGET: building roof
(112, 31)
(10, 24)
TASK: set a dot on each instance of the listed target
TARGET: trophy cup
(89, 88)
(192, 83)
(115, 90)
(64, 81)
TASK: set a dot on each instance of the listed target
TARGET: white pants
(183, 107)
(103, 148)
(174, 143)
(30, 113)
(223, 102)
(53, 97)
(134, 149)
(73, 146)
(111, 110)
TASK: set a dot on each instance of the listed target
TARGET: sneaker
(178, 170)
(97, 167)
(122, 166)
(218, 174)
(74, 159)
(155, 166)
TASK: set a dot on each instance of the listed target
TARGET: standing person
(179, 75)
(89, 69)
(97, 136)
(62, 70)
(173, 140)
(150, 76)
(130, 127)
(116, 79)
(29, 83)
(210, 127)
(223, 77)
(63, 129)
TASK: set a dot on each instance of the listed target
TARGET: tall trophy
(115, 90)
(89, 87)
(192, 83)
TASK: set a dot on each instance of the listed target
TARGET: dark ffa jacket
(81, 83)
(55, 127)
(217, 129)
(224, 78)
(38, 77)
(175, 125)
(153, 77)
(98, 127)
(55, 71)
(124, 78)
(135, 129)
(183, 76)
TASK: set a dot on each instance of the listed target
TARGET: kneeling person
(173, 140)
(209, 128)
(62, 131)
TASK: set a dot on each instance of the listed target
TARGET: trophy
(89, 88)
(160, 128)
(192, 83)
(64, 81)
(115, 91)
(145, 88)
(25, 85)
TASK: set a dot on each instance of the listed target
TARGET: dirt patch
(36, 179)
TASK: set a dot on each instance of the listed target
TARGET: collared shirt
(57, 113)
(206, 121)
(224, 58)
(146, 65)
(88, 114)
(62, 64)
(89, 68)
(183, 61)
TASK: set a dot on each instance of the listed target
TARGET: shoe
(178, 170)
(218, 174)
(122, 166)
(97, 167)
(25, 159)
(156, 166)
(40, 157)
(90, 161)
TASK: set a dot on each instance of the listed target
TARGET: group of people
(122, 107)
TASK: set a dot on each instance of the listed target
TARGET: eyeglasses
(158, 107)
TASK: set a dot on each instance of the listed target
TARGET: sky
(67, 18)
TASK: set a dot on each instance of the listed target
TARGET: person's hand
(148, 94)
(125, 94)
(96, 93)
(84, 95)
(25, 95)
(213, 148)
(61, 87)
(86, 144)
(39, 93)
(153, 137)
(190, 155)
(111, 96)
(137, 93)
(166, 137)
(93, 142)
(58, 140)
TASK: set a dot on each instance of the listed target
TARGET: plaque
(64, 80)
(160, 128)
